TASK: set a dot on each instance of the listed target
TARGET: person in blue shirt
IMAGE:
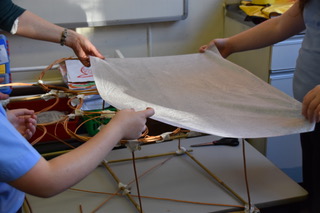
(2, 95)
(304, 15)
(22, 168)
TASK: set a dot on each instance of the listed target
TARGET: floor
(294, 208)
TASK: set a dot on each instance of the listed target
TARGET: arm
(48, 178)
(2, 95)
(267, 33)
(35, 27)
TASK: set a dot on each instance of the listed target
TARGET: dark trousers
(20, 210)
(310, 143)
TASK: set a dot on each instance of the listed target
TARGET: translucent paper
(201, 92)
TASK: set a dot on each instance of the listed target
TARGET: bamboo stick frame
(188, 153)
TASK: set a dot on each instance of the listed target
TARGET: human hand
(132, 124)
(82, 47)
(2, 95)
(311, 105)
(24, 120)
(221, 45)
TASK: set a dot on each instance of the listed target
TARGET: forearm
(84, 159)
(77, 164)
(35, 27)
(257, 37)
(269, 32)
(49, 178)
(262, 35)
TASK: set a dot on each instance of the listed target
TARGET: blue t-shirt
(17, 157)
(307, 74)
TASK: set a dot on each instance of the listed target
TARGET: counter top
(233, 11)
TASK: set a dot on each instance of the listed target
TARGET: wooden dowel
(217, 179)
(118, 181)
(144, 157)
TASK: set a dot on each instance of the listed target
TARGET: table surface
(179, 177)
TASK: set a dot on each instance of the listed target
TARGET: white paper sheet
(77, 72)
(200, 92)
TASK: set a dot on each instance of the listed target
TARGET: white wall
(204, 22)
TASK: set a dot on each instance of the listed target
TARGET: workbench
(179, 177)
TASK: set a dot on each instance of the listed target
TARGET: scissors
(222, 141)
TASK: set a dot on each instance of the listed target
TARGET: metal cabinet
(285, 151)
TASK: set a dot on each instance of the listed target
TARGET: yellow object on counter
(263, 1)
(2, 69)
(253, 10)
(260, 8)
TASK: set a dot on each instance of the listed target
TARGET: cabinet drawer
(284, 54)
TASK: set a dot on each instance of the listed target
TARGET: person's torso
(307, 74)
(17, 157)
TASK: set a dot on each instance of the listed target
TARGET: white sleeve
(14, 28)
